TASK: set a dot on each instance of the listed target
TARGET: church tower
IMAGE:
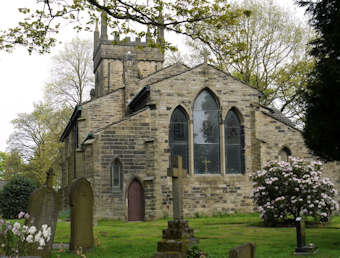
(119, 64)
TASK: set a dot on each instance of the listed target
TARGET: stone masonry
(128, 120)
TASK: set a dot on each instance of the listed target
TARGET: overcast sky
(23, 75)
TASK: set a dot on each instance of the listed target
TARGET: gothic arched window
(206, 134)
(284, 154)
(234, 143)
(178, 137)
(116, 175)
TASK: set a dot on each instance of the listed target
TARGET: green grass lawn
(217, 236)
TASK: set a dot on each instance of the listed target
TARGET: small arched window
(284, 154)
(206, 134)
(234, 143)
(116, 175)
(178, 138)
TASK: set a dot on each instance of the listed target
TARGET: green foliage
(291, 81)
(36, 138)
(322, 121)
(195, 252)
(3, 156)
(41, 24)
(14, 196)
(263, 49)
(13, 165)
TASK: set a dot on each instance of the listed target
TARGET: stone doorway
(135, 201)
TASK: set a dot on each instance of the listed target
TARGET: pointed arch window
(206, 134)
(116, 175)
(234, 143)
(284, 154)
(178, 137)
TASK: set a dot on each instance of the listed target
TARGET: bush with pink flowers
(290, 189)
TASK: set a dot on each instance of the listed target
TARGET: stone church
(141, 114)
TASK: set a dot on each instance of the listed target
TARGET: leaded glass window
(234, 143)
(178, 137)
(206, 134)
(116, 175)
(284, 154)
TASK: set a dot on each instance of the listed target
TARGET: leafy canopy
(322, 105)
(39, 28)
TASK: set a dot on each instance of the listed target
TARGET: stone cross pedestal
(301, 247)
(178, 237)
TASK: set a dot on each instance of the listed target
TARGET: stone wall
(204, 194)
(101, 112)
(128, 142)
(274, 135)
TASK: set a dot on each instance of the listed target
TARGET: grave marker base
(178, 238)
(306, 250)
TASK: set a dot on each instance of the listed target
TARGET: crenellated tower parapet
(120, 63)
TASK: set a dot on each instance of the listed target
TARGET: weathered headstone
(43, 207)
(178, 237)
(81, 203)
(301, 247)
(244, 251)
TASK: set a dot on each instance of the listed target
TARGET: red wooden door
(135, 202)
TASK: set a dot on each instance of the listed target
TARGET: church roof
(162, 74)
(279, 116)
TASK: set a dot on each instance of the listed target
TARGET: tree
(71, 75)
(14, 197)
(13, 165)
(3, 156)
(261, 49)
(36, 138)
(38, 29)
(291, 83)
(322, 105)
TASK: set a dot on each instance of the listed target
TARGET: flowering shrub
(293, 188)
(20, 239)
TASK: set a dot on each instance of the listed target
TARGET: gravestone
(43, 207)
(81, 203)
(244, 251)
(178, 237)
(301, 247)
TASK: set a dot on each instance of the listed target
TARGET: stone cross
(177, 173)
(49, 178)
(205, 54)
(206, 162)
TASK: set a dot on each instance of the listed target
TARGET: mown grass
(217, 236)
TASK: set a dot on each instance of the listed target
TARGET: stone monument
(178, 237)
(301, 247)
(43, 207)
(81, 203)
(244, 251)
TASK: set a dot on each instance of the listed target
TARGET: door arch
(135, 201)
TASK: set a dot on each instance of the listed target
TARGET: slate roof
(279, 116)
